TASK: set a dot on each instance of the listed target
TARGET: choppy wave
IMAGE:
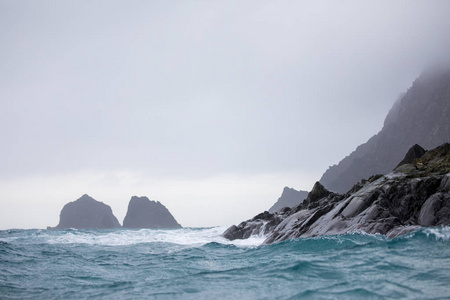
(197, 263)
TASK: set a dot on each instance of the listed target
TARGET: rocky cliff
(415, 194)
(289, 198)
(420, 116)
(85, 213)
(143, 213)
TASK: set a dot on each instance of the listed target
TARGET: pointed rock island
(86, 212)
(144, 213)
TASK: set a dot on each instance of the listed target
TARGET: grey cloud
(200, 88)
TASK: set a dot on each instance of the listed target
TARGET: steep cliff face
(85, 213)
(143, 213)
(415, 194)
(420, 116)
(289, 198)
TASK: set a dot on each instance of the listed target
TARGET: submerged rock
(391, 204)
(85, 213)
(143, 213)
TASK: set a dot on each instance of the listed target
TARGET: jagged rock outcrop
(391, 204)
(143, 213)
(85, 213)
(413, 153)
(289, 198)
(420, 116)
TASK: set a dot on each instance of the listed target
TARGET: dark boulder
(261, 224)
(236, 233)
(86, 213)
(317, 193)
(435, 210)
(143, 213)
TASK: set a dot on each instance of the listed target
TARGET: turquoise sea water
(199, 264)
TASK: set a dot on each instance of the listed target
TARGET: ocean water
(197, 263)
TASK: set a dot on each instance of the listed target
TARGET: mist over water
(197, 263)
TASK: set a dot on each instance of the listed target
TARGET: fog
(210, 107)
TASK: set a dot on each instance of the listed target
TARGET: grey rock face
(260, 225)
(420, 116)
(427, 216)
(289, 198)
(392, 204)
(87, 213)
(143, 213)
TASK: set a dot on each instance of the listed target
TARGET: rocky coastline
(415, 194)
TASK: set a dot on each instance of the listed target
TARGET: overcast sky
(210, 107)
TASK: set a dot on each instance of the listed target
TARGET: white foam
(440, 233)
(185, 236)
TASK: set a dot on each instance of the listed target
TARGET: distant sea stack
(289, 198)
(144, 213)
(85, 213)
(420, 116)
